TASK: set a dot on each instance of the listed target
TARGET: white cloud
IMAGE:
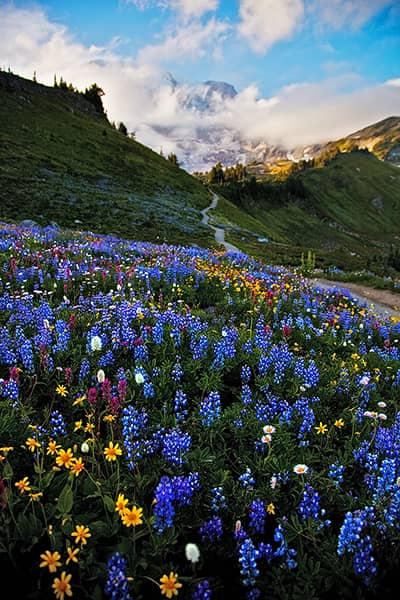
(187, 8)
(265, 22)
(347, 13)
(195, 40)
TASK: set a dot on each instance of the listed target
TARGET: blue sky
(281, 55)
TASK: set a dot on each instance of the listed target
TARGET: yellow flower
(51, 560)
(35, 497)
(62, 586)
(64, 458)
(52, 447)
(169, 584)
(32, 444)
(81, 534)
(271, 508)
(109, 418)
(72, 555)
(89, 428)
(120, 504)
(6, 449)
(23, 485)
(61, 390)
(78, 400)
(132, 516)
(77, 466)
(339, 423)
(321, 428)
(112, 451)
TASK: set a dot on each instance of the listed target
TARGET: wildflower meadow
(185, 423)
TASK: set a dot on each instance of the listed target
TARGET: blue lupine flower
(57, 424)
(351, 540)
(175, 445)
(180, 406)
(248, 556)
(210, 409)
(117, 583)
(336, 473)
(218, 500)
(202, 591)
(257, 516)
(246, 479)
(172, 493)
(211, 531)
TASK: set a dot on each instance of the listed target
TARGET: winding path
(219, 233)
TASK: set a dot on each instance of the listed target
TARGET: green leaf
(29, 528)
(47, 479)
(65, 501)
(109, 503)
(8, 471)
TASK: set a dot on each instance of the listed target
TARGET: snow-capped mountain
(210, 130)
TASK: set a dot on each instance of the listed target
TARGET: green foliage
(172, 158)
(93, 95)
(122, 128)
(307, 265)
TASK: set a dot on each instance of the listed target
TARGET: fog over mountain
(218, 124)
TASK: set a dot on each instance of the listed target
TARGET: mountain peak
(226, 90)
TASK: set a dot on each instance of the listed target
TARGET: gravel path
(219, 233)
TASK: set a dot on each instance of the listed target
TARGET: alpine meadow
(193, 405)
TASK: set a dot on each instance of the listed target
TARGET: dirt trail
(219, 233)
(382, 301)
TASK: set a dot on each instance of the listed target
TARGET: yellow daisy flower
(64, 458)
(111, 452)
(72, 555)
(23, 485)
(50, 560)
(121, 504)
(62, 586)
(32, 444)
(52, 447)
(132, 516)
(321, 429)
(81, 534)
(77, 466)
(169, 585)
(61, 390)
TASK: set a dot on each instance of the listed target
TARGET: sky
(306, 71)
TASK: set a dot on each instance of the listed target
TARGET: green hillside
(62, 161)
(348, 211)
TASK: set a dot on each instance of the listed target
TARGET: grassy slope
(59, 162)
(351, 212)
